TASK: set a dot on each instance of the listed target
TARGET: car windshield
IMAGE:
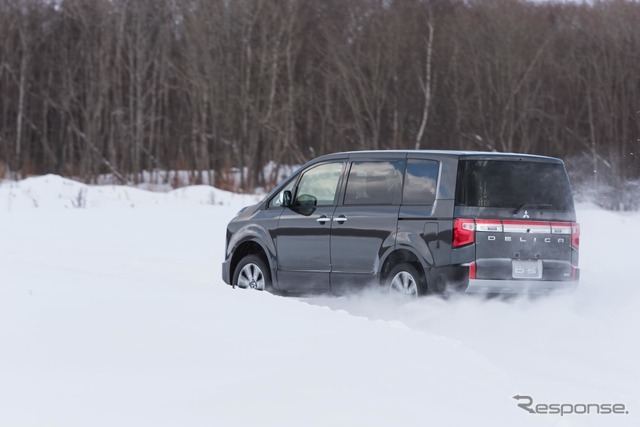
(513, 184)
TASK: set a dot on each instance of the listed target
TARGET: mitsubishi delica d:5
(411, 222)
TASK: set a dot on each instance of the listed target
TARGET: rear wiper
(531, 205)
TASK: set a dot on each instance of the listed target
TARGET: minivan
(411, 223)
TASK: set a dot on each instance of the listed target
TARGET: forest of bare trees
(91, 87)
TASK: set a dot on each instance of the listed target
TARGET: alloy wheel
(251, 276)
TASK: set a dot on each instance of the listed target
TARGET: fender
(413, 242)
(257, 234)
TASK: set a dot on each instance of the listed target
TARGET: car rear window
(513, 184)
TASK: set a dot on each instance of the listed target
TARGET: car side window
(320, 184)
(420, 183)
(373, 182)
(276, 201)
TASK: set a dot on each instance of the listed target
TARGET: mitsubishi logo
(526, 214)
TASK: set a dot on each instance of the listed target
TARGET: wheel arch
(399, 256)
(249, 247)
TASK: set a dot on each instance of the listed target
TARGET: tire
(253, 273)
(405, 280)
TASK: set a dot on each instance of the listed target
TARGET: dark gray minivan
(413, 222)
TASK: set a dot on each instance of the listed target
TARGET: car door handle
(323, 219)
(340, 219)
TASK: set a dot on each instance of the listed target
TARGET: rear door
(523, 215)
(364, 225)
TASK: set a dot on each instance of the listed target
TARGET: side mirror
(286, 198)
(305, 204)
(306, 201)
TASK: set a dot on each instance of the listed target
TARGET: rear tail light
(463, 232)
(464, 229)
(473, 268)
(575, 235)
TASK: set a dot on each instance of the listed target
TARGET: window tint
(320, 183)
(373, 183)
(421, 180)
(513, 184)
(277, 199)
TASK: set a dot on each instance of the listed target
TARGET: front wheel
(252, 273)
(404, 280)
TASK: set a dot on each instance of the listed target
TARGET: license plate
(527, 269)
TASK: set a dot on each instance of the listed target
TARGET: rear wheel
(404, 280)
(252, 273)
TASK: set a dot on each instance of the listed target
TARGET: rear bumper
(519, 286)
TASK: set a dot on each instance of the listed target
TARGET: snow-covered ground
(113, 313)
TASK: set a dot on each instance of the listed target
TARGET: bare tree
(216, 87)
